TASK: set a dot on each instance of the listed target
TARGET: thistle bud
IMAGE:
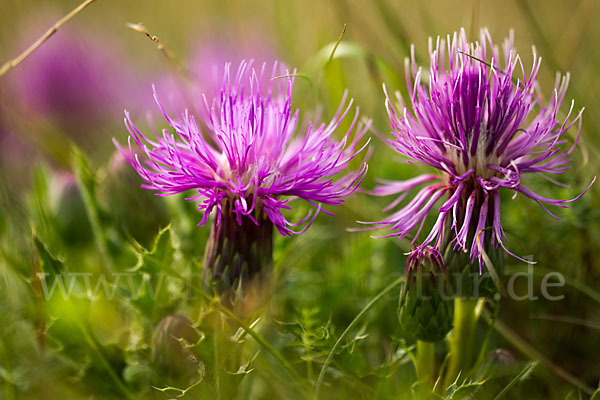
(68, 208)
(426, 309)
(134, 210)
(474, 279)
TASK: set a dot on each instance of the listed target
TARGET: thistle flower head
(249, 160)
(476, 116)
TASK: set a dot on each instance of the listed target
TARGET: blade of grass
(17, 60)
(336, 45)
(47, 261)
(539, 34)
(521, 375)
(83, 175)
(394, 25)
(474, 19)
(515, 81)
(528, 350)
(549, 55)
(323, 66)
(216, 367)
(303, 76)
(171, 57)
(486, 340)
(542, 272)
(572, 36)
(351, 326)
(259, 339)
(92, 343)
(568, 320)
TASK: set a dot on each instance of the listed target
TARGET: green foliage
(466, 391)
(100, 280)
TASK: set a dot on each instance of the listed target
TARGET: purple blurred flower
(205, 68)
(208, 59)
(16, 155)
(76, 78)
(476, 123)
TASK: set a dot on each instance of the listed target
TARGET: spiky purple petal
(251, 152)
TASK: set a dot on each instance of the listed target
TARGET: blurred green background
(68, 204)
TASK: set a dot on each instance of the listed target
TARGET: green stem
(92, 343)
(347, 330)
(531, 352)
(461, 342)
(309, 364)
(541, 272)
(426, 362)
(262, 341)
(483, 347)
(259, 339)
(525, 371)
(16, 61)
(217, 361)
(9, 390)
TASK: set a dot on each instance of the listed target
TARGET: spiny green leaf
(160, 257)
(245, 369)
(51, 264)
(240, 334)
(422, 391)
(466, 391)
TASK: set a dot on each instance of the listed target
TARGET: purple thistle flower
(478, 119)
(250, 163)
